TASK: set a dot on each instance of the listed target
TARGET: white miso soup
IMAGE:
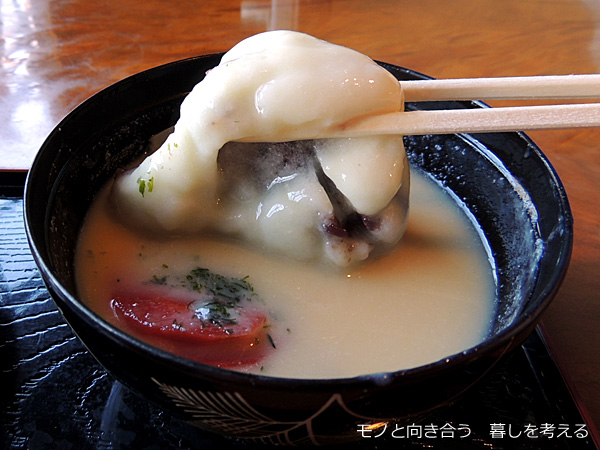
(434, 295)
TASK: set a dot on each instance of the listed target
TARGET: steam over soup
(284, 256)
(432, 296)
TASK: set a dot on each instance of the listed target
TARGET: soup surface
(432, 296)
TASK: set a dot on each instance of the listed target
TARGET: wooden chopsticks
(483, 120)
(507, 88)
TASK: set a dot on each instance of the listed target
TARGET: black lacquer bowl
(503, 179)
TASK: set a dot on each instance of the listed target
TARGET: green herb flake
(145, 185)
(158, 280)
(270, 338)
(220, 297)
(142, 185)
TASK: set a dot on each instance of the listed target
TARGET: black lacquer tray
(54, 395)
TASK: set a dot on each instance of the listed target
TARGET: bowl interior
(502, 180)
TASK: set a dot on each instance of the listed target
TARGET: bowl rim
(502, 342)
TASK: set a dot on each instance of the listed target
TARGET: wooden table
(56, 53)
